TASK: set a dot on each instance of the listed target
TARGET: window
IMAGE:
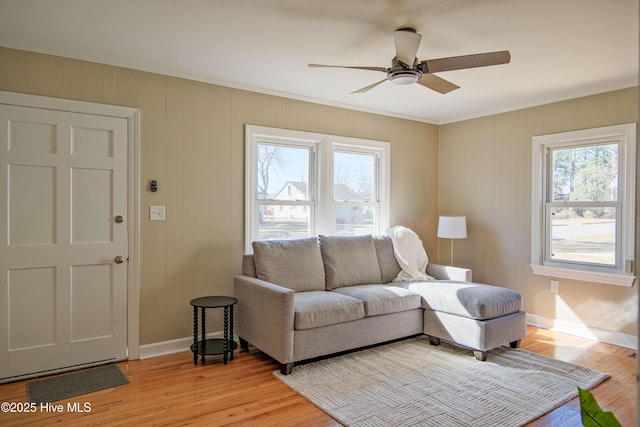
(583, 207)
(354, 192)
(301, 184)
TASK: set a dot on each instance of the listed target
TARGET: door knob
(119, 219)
(120, 259)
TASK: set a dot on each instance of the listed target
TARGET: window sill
(586, 276)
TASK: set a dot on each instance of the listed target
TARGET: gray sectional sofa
(304, 298)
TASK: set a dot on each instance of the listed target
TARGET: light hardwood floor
(171, 391)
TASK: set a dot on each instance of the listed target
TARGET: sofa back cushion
(389, 267)
(295, 264)
(349, 260)
(248, 265)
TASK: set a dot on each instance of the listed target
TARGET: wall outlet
(554, 286)
(156, 213)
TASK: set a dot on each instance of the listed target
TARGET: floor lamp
(452, 227)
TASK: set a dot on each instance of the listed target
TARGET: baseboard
(583, 331)
(148, 351)
(163, 348)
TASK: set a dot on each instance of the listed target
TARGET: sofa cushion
(474, 300)
(349, 260)
(314, 309)
(295, 264)
(383, 299)
(248, 265)
(389, 267)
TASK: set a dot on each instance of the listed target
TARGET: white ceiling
(560, 49)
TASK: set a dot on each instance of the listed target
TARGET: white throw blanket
(409, 253)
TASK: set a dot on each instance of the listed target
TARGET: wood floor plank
(170, 390)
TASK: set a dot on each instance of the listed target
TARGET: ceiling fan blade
(436, 83)
(467, 61)
(407, 42)
(384, 70)
(367, 88)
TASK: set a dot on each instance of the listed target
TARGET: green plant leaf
(592, 415)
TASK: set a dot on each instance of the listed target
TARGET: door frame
(132, 115)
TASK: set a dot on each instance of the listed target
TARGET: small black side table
(224, 346)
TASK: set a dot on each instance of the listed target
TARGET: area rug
(412, 383)
(75, 384)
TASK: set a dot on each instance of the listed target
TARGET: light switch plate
(156, 213)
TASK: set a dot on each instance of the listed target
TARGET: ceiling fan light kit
(404, 77)
(407, 41)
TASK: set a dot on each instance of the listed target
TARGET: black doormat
(75, 384)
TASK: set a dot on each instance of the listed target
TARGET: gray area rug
(412, 383)
(75, 384)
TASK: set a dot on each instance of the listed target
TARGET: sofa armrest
(447, 272)
(264, 316)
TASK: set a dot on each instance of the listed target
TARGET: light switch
(156, 213)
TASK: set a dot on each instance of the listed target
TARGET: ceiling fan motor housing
(401, 74)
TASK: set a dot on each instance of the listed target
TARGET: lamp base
(451, 252)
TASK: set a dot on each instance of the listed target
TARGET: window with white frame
(301, 184)
(583, 206)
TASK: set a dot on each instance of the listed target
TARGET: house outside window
(583, 207)
(301, 184)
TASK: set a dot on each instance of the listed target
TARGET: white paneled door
(63, 240)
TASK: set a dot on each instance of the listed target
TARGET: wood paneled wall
(485, 174)
(192, 143)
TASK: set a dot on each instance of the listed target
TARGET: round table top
(213, 301)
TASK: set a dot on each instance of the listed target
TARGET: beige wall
(485, 174)
(192, 143)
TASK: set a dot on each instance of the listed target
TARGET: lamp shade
(452, 227)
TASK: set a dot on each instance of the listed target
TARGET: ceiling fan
(407, 69)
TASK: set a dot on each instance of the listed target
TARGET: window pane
(353, 177)
(283, 221)
(283, 172)
(351, 220)
(587, 173)
(584, 235)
